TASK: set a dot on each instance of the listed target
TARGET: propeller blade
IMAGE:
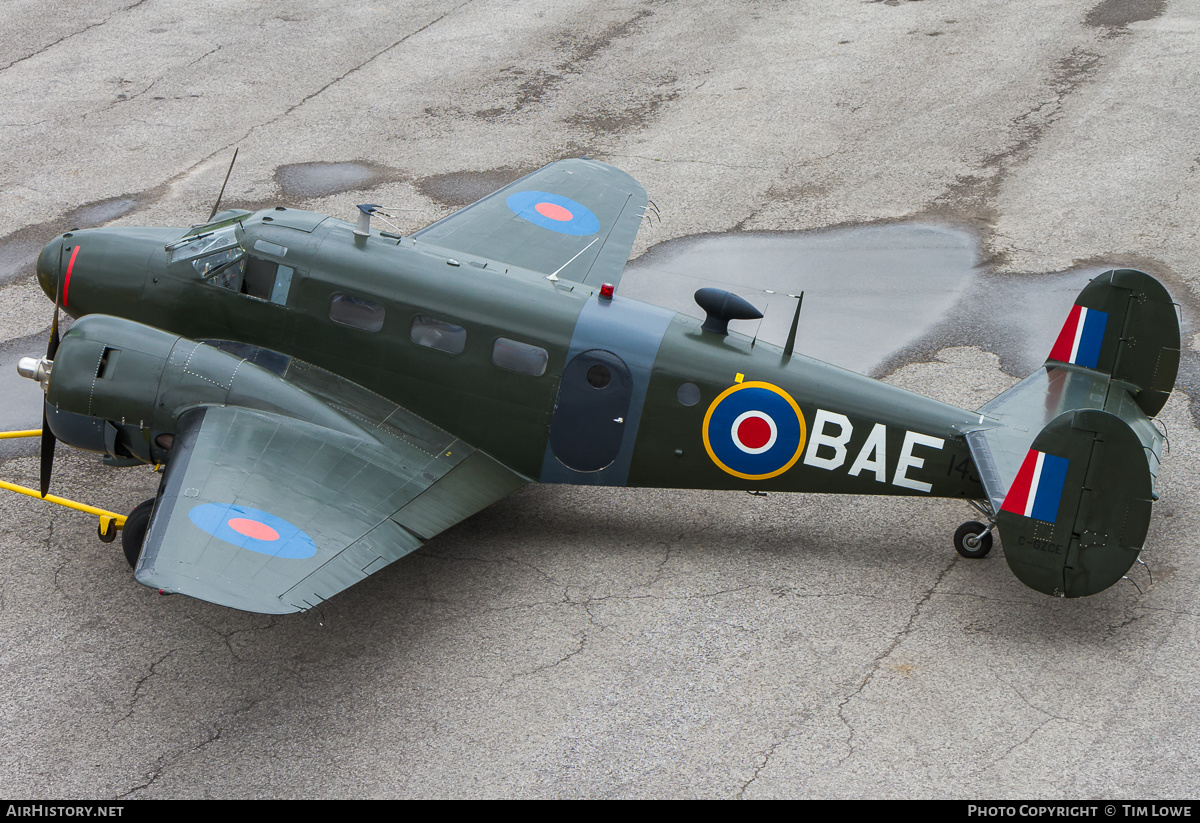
(52, 346)
(221, 194)
(48, 441)
(48, 438)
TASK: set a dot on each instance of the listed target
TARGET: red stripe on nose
(67, 279)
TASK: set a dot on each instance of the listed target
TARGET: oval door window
(589, 416)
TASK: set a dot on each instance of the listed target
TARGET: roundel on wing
(554, 212)
(754, 430)
(253, 529)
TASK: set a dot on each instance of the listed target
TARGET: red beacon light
(606, 291)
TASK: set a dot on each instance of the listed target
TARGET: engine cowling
(118, 387)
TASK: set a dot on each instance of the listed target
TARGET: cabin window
(357, 312)
(438, 334)
(283, 283)
(688, 394)
(520, 357)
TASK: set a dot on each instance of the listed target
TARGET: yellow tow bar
(110, 522)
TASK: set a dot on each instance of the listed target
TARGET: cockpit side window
(239, 272)
(223, 268)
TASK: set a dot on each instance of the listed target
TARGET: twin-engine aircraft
(324, 397)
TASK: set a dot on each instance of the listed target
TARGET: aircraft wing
(271, 514)
(576, 218)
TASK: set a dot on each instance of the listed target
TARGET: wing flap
(464, 490)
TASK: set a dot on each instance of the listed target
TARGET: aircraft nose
(49, 269)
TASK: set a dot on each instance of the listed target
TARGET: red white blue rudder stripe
(1080, 338)
(1038, 487)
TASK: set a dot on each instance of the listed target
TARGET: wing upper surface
(267, 513)
(576, 218)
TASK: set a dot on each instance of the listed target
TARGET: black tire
(134, 533)
(972, 527)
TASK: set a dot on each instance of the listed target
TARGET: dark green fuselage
(628, 393)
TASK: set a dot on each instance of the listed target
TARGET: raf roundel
(253, 529)
(554, 212)
(754, 431)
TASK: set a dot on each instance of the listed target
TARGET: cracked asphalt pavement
(575, 642)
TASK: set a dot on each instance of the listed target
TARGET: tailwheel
(107, 530)
(134, 533)
(973, 539)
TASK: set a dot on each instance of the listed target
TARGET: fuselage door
(591, 410)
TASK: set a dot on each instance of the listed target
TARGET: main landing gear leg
(974, 539)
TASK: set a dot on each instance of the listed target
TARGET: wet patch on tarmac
(868, 290)
(462, 188)
(20, 399)
(311, 180)
(1119, 13)
(19, 250)
(523, 87)
(95, 214)
(878, 298)
(630, 117)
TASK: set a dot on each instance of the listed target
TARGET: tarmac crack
(581, 647)
(977, 192)
(66, 37)
(140, 683)
(877, 663)
(1050, 717)
(692, 160)
(163, 763)
(1049, 714)
(271, 121)
(531, 91)
(361, 65)
(764, 761)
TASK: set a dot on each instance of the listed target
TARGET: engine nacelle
(118, 387)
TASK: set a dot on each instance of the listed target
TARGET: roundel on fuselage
(754, 430)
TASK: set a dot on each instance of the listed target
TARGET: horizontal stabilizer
(1076, 515)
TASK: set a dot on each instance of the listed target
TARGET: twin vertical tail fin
(1124, 324)
(1077, 514)
(1073, 502)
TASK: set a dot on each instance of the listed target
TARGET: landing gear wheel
(134, 533)
(967, 540)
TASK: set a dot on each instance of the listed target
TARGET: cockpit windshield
(186, 249)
